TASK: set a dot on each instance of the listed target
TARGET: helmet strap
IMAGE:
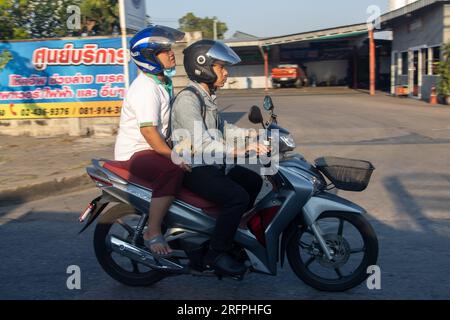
(212, 89)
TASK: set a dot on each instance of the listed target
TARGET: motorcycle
(327, 240)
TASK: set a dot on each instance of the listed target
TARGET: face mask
(170, 73)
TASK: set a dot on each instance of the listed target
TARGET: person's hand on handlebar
(252, 134)
(258, 148)
(255, 147)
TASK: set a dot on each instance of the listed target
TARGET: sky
(265, 18)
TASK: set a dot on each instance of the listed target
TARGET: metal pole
(215, 29)
(355, 68)
(265, 55)
(372, 61)
(266, 68)
(123, 28)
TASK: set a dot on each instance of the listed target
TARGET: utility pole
(372, 61)
(123, 28)
(215, 29)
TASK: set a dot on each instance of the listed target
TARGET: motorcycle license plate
(284, 79)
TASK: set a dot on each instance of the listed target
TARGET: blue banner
(63, 78)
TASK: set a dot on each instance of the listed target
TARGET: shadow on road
(414, 257)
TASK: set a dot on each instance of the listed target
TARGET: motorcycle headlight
(288, 140)
(316, 183)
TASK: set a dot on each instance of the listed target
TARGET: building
(405, 60)
(331, 57)
(420, 28)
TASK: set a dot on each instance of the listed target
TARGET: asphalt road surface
(408, 203)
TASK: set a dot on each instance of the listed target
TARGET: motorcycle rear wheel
(135, 277)
(369, 248)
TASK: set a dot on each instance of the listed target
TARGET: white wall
(247, 83)
(252, 76)
(247, 77)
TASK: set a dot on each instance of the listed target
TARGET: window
(405, 63)
(435, 59)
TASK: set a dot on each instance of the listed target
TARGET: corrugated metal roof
(410, 8)
(331, 33)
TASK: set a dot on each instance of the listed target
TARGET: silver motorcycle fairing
(296, 191)
(326, 201)
(298, 164)
(190, 221)
(180, 215)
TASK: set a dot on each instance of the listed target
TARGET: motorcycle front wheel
(353, 242)
(121, 221)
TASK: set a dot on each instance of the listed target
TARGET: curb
(42, 190)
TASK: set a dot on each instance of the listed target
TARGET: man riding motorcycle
(205, 62)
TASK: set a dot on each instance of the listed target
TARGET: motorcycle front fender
(326, 201)
(315, 206)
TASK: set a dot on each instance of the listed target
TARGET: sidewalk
(34, 168)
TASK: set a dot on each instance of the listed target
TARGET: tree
(48, 18)
(190, 23)
(5, 57)
(444, 72)
(23, 19)
(11, 20)
(100, 17)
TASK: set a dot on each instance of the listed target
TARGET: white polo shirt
(146, 104)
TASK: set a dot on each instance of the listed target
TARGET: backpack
(203, 111)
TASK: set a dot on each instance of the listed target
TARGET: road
(408, 203)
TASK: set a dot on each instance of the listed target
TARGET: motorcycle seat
(185, 195)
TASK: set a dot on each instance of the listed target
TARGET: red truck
(289, 75)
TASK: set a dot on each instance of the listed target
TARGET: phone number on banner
(60, 110)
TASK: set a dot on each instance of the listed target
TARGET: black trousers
(236, 192)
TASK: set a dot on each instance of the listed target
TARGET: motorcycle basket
(346, 174)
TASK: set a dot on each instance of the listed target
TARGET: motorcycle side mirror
(255, 116)
(268, 103)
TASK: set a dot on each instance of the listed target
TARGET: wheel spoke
(304, 245)
(135, 266)
(338, 272)
(341, 227)
(310, 260)
(352, 251)
(129, 229)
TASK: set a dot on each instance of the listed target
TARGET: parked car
(289, 75)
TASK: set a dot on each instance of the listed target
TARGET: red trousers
(165, 177)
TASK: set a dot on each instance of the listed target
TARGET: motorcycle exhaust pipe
(142, 256)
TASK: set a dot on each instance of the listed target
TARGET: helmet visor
(162, 35)
(220, 51)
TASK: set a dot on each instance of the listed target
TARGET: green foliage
(12, 20)
(24, 19)
(5, 57)
(47, 18)
(190, 22)
(105, 13)
(444, 72)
